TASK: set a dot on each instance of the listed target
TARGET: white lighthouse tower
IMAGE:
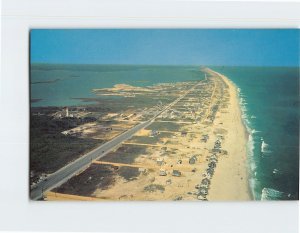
(66, 112)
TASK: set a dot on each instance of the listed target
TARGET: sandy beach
(230, 181)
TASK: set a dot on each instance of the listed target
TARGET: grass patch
(154, 187)
(49, 149)
(164, 126)
(124, 154)
(85, 184)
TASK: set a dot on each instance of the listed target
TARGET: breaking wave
(273, 194)
(251, 143)
(265, 148)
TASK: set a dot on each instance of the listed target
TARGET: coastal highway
(65, 173)
(83, 162)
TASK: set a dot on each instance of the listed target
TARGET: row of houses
(204, 185)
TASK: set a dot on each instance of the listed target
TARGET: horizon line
(132, 64)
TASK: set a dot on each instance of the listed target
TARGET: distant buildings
(160, 161)
(66, 112)
(176, 173)
(154, 133)
(193, 160)
(204, 138)
(162, 172)
(183, 134)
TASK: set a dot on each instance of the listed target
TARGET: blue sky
(166, 46)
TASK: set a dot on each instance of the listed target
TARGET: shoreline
(231, 180)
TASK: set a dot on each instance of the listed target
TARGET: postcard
(164, 114)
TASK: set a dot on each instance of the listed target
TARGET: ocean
(269, 98)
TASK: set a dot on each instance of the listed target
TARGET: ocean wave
(252, 184)
(252, 166)
(243, 101)
(273, 194)
(254, 131)
(265, 148)
(270, 194)
(244, 109)
(275, 171)
(250, 144)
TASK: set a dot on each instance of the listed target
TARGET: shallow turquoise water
(77, 81)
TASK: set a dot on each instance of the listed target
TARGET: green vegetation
(85, 184)
(129, 173)
(164, 126)
(154, 188)
(124, 154)
(50, 149)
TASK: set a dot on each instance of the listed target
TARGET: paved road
(83, 162)
(68, 171)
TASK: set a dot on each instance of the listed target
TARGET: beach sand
(230, 181)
